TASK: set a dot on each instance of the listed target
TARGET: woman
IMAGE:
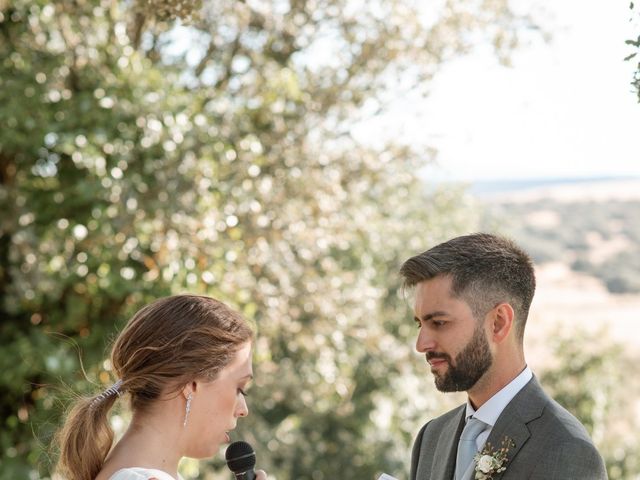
(184, 363)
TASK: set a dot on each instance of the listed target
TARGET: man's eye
(438, 323)
(242, 392)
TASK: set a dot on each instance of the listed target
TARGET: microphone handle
(248, 475)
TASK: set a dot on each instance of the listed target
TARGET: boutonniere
(490, 462)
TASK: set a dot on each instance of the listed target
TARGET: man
(472, 298)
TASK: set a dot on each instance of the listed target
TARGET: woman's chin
(202, 452)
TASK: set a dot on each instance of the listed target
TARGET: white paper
(384, 476)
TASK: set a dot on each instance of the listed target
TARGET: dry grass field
(568, 301)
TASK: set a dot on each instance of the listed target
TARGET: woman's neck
(149, 442)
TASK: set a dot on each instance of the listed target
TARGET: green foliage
(593, 380)
(141, 157)
(635, 43)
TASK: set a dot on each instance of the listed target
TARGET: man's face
(453, 341)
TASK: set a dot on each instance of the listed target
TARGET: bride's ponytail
(86, 437)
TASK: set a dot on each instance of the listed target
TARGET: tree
(140, 156)
(635, 43)
(590, 377)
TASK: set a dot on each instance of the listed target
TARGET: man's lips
(436, 362)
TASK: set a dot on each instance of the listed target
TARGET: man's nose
(424, 342)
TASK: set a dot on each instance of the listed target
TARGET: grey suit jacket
(550, 443)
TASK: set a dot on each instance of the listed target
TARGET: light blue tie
(467, 445)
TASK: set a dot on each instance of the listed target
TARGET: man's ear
(502, 318)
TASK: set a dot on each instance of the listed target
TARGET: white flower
(490, 461)
(486, 463)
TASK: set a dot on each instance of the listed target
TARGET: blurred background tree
(592, 378)
(143, 154)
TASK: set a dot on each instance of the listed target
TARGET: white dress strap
(139, 473)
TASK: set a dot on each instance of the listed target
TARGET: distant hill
(630, 185)
(593, 226)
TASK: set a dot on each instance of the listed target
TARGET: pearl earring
(187, 409)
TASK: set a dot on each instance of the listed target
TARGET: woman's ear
(502, 319)
(189, 389)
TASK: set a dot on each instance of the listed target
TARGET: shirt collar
(492, 408)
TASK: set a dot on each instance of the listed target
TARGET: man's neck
(494, 380)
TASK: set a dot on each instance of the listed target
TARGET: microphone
(241, 459)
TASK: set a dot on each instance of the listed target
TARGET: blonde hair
(166, 344)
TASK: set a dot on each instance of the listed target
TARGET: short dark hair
(485, 270)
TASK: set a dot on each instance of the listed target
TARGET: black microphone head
(240, 457)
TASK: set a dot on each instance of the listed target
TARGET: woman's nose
(242, 409)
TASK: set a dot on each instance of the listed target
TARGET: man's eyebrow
(430, 316)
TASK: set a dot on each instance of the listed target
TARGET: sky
(565, 108)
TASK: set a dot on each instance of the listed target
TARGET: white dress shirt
(492, 408)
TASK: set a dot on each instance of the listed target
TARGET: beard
(470, 364)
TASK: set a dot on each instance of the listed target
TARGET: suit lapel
(516, 431)
(448, 447)
(526, 406)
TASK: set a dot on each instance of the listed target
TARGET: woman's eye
(242, 392)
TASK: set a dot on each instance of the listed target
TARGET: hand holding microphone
(241, 460)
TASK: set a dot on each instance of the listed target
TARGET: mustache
(433, 355)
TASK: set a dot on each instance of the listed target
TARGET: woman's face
(216, 406)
